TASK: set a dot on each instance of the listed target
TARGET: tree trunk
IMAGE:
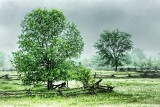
(116, 63)
(49, 84)
(67, 83)
(116, 67)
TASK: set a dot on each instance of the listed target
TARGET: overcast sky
(140, 18)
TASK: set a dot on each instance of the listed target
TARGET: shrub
(83, 74)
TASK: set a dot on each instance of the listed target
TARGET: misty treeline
(5, 61)
(136, 58)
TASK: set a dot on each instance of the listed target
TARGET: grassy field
(8, 72)
(135, 92)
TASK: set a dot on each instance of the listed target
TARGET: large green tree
(47, 43)
(112, 46)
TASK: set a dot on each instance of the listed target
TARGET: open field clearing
(80, 101)
(129, 92)
(8, 72)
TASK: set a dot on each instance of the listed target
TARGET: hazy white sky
(140, 18)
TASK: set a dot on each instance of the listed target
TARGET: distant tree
(138, 53)
(127, 59)
(156, 62)
(112, 46)
(97, 61)
(135, 64)
(149, 63)
(142, 64)
(46, 45)
(2, 58)
(86, 62)
(138, 57)
(7, 63)
(92, 61)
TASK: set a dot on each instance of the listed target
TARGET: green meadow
(128, 92)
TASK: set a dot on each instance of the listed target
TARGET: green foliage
(93, 61)
(97, 61)
(139, 54)
(127, 59)
(47, 41)
(87, 62)
(138, 57)
(66, 70)
(83, 74)
(112, 46)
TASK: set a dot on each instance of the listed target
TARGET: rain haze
(140, 18)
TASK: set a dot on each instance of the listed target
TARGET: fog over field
(140, 18)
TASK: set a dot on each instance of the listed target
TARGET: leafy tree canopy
(112, 46)
(47, 42)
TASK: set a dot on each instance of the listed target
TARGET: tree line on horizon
(136, 58)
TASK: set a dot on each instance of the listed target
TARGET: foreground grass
(127, 92)
(135, 92)
(144, 91)
(8, 85)
(100, 100)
